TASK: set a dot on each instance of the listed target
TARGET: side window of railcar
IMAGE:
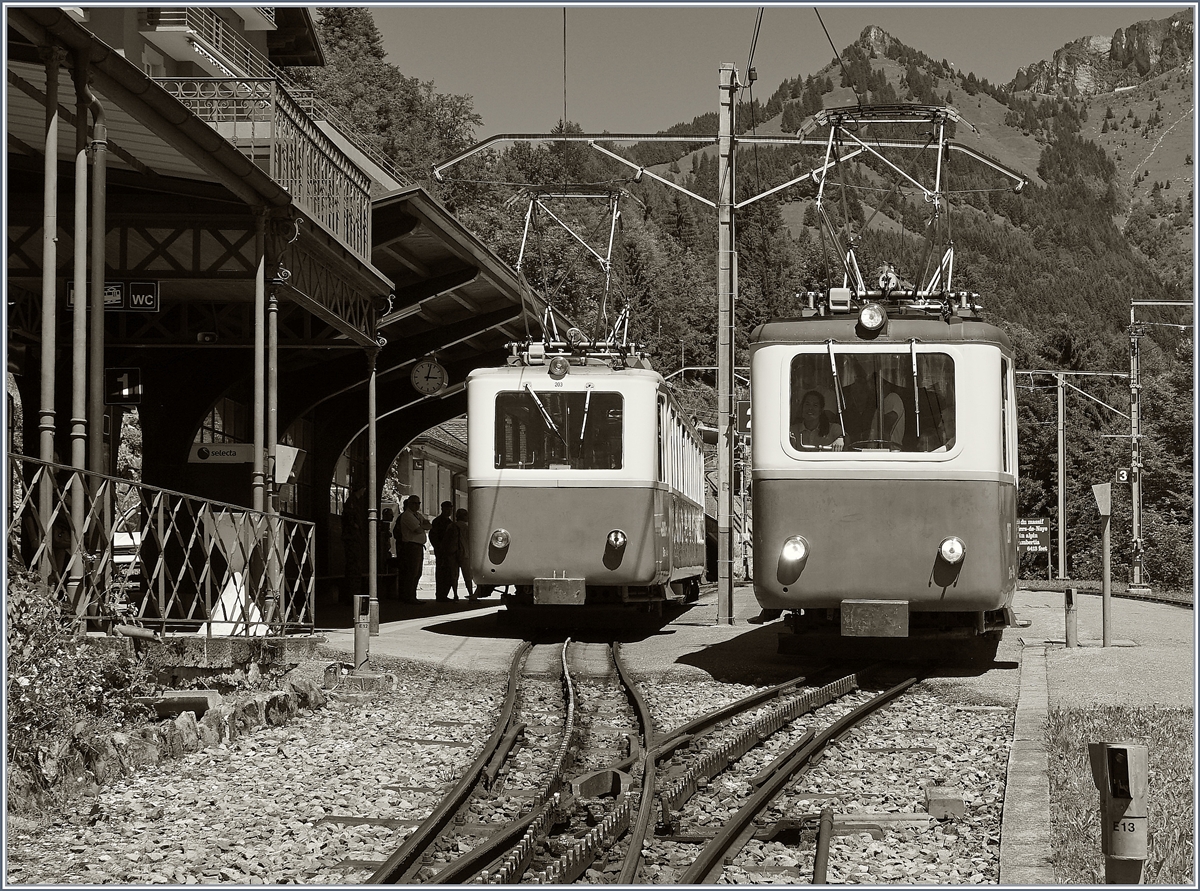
(559, 430)
(1006, 417)
(663, 432)
(901, 401)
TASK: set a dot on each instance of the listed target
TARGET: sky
(640, 68)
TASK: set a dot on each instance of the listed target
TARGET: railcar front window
(900, 401)
(557, 430)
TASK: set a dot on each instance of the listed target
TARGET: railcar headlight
(792, 558)
(872, 317)
(794, 549)
(559, 367)
(500, 539)
(617, 539)
(952, 550)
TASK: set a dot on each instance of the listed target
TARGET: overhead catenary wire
(764, 284)
(754, 42)
(564, 66)
(838, 56)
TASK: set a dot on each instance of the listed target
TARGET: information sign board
(123, 296)
(1033, 535)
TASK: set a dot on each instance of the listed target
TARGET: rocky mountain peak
(877, 39)
(1093, 65)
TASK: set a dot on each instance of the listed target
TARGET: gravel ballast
(263, 809)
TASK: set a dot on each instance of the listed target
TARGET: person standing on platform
(443, 535)
(462, 556)
(384, 554)
(413, 528)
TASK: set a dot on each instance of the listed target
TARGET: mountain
(1104, 131)
(1093, 65)
(1130, 95)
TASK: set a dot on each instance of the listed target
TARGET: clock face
(428, 377)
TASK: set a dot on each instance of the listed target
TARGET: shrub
(63, 693)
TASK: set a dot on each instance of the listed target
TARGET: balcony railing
(227, 49)
(259, 117)
(119, 553)
(230, 50)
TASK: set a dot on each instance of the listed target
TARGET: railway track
(538, 799)
(567, 789)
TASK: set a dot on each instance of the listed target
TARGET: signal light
(872, 317)
(559, 367)
(617, 539)
(500, 539)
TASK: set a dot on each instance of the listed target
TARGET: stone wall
(78, 766)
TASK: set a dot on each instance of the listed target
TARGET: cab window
(558, 430)
(872, 402)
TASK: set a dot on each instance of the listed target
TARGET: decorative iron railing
(116, 552)
(227, 49)
(259, 117)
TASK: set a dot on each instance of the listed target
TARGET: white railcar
(586, 482)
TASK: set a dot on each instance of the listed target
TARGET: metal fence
(117, 552)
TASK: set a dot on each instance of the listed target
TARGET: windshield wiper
(587, 401)
(837, 389)
(545, 414)
(912, 346)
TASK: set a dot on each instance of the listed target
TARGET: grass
(1092, 586)
(1074, 800)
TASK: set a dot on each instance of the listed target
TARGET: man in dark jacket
(444, 538)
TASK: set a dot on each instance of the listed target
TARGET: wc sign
(123, 296)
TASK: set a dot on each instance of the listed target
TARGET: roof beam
(408, 300)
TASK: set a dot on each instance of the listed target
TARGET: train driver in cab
(812, 427)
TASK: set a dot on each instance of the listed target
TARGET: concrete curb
(1025, 852)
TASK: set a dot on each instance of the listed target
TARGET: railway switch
(1120, 772)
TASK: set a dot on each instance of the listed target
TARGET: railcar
(585, 481)
(887, 506)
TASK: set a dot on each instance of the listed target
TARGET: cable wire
(838, 56)
(754, 44)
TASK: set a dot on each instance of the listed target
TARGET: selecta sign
(221, 453)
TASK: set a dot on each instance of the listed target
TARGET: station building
(217, 294)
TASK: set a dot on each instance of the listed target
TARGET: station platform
(1151, 659)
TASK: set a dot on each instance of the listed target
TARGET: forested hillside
(1107, 218)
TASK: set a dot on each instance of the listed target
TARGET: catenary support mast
(726, 293)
